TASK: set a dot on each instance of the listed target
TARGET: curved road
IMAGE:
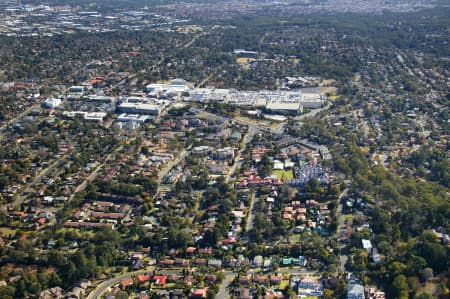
(101, 289)
(313, 112)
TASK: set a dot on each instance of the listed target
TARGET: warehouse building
(284, 108)
(140, 108)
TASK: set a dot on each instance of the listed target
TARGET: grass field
(430, 288)
(244, 60)
(6, 232)
(332, 98)
(284, 175)
(328, 89)
(294, 237)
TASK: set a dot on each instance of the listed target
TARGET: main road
(94, 174)
(29, 187)
(341, 218)
(19, 116)
(251, 213)
(88, 179)
(237, 160)
(163, 172)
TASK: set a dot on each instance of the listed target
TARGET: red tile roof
(142, 278)
(126, 282)
(199, 293)
(190, 249)
(160, 279)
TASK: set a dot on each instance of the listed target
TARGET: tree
(54, 280)
(328, 294)
(426, 274)
(415, 265)
(145, 150)
(435, 254)
(266, 166)
(69, 273)
(289, 292)
(3, 215)
(210, 294)
(313, 187)
(220, 276)
(360, 261)
(423, 295)
(341, 289)
(20, 289)
(400, 287)
(43, 279)
(8, 292)
(122, 295)
(178, 238)
(211, 237)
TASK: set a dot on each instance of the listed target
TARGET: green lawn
(284, 283)
(284, 175)
(348, 216)
(294, 237)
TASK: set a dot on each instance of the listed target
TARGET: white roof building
(52, 103)
(312, 100)
(367, 245)
(294, 108)
(95, 116)
(175, 86)
(77, 89)
(140, 108)
(278, 165)
(355, 291)
(99, 98)
(133, 118)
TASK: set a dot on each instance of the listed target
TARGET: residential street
(223, 291)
